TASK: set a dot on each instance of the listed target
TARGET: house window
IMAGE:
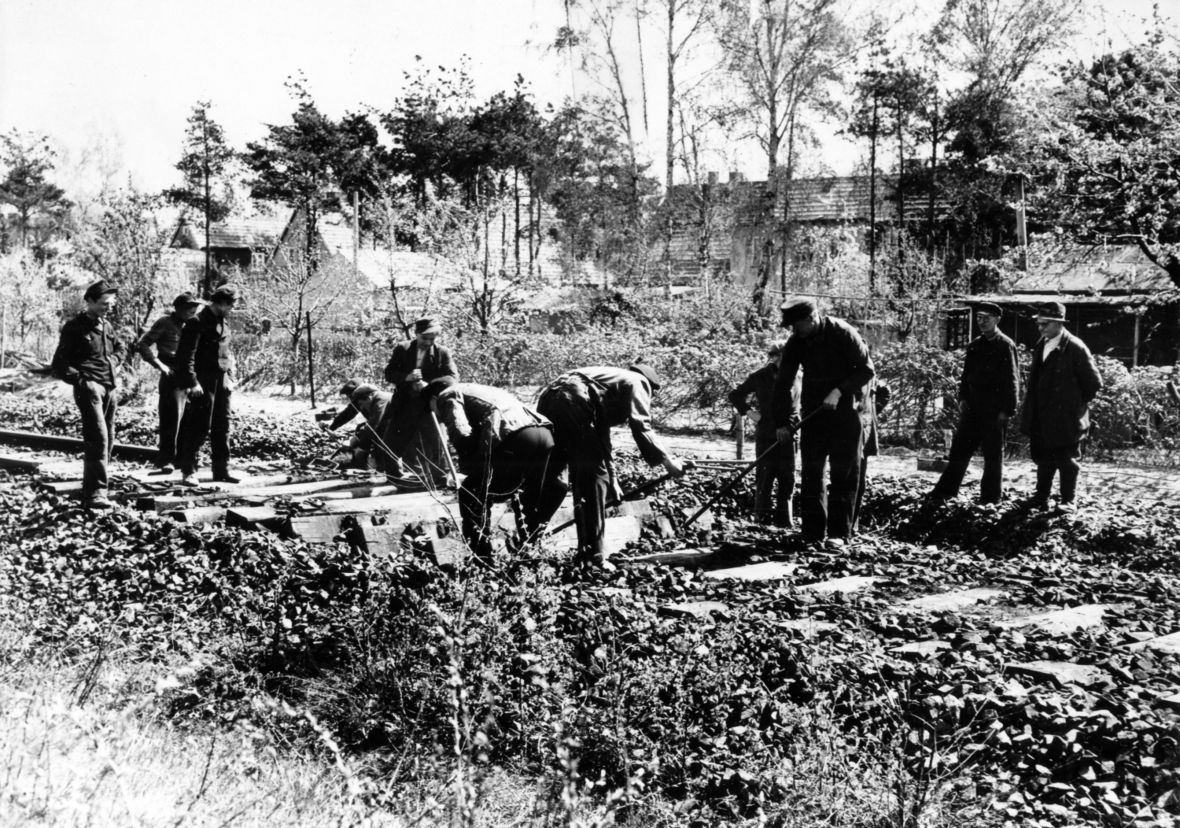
(958, 328)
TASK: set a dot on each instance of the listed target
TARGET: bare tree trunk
(873, 199)
(516, 219)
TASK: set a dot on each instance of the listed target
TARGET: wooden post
(4, 332)
(1134, 353)
(310, 361)
(739, 427)
(356, 235)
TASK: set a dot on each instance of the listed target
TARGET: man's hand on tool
(196, 392)
(676, 468)
(832, 399)
(785, 434)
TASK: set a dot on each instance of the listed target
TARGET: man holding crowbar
(836, 369)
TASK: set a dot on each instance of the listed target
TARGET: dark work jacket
(87, 350)
(991, 380)
(1060, 389)
(761, 384)
(438, 363)
(834, 356)
(479, 418)
(163, 338)
(203, 350)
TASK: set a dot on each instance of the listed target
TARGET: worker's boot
(1069, 490)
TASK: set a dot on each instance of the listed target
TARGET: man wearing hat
(504, 449)
(777, 466)
(584, 405)
(1062, 382)
(369, 403)
(409, 430)
(988, 391)
(158, 347)
(204, 370)
(87, 357)
(836, 370)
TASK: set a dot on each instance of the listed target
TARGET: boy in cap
(584, 405)
(504, 449)
(87, 357)
(836, 370)
(779, 465)
(204, 369)
(988, 390)
(158, 347)
(409, 429)
(1062, 382)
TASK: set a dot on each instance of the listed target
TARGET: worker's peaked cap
(648, 373)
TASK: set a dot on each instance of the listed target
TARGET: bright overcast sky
(134, 68)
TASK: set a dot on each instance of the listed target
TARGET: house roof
(255, 233)
(1076, 268)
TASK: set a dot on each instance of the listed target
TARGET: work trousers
(835, 438)
(207, 416)
(97, 405)
(975, 431)
(585, 449)
(520, 465)
(776, 468)
(173, 400)
(410, 435)
(1050, 461)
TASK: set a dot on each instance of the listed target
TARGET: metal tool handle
(728, 487)
(446, 449)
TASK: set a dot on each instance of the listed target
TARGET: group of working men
(190, 349)
(509, 450)
(843, 399)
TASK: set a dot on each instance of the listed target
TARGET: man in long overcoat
(1064, 379)
(409, 430)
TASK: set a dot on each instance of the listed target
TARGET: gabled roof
(1078, 268)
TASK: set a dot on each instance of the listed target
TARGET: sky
(124, 75)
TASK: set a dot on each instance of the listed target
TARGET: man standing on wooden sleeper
(87, 358)
(205, 370)
(158, 347)
(837, 369)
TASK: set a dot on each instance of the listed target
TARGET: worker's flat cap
(350, 386)
(226, 294)
(436, 387)
(648, 373)
(427, 325)
(97, 289)
(185, 300)
(795, 310)
(989, 308)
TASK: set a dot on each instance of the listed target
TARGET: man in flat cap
(87, 357)
(584, 405)
(1062, 382)
(409, 430)
(370, 403)
(836, 370)
(988, 391)
(779, 465)
(205, 371)
(158, 347)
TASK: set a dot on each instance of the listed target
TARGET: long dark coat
(1057, 401)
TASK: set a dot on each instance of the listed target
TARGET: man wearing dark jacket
(371, 404)
(1064, 379)
(776, 462)
(988, 391)
(204, 369)
(836, 369)
(504, 449)
(584, 405)
(157, 348)
(87, 357)
(409, 430)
